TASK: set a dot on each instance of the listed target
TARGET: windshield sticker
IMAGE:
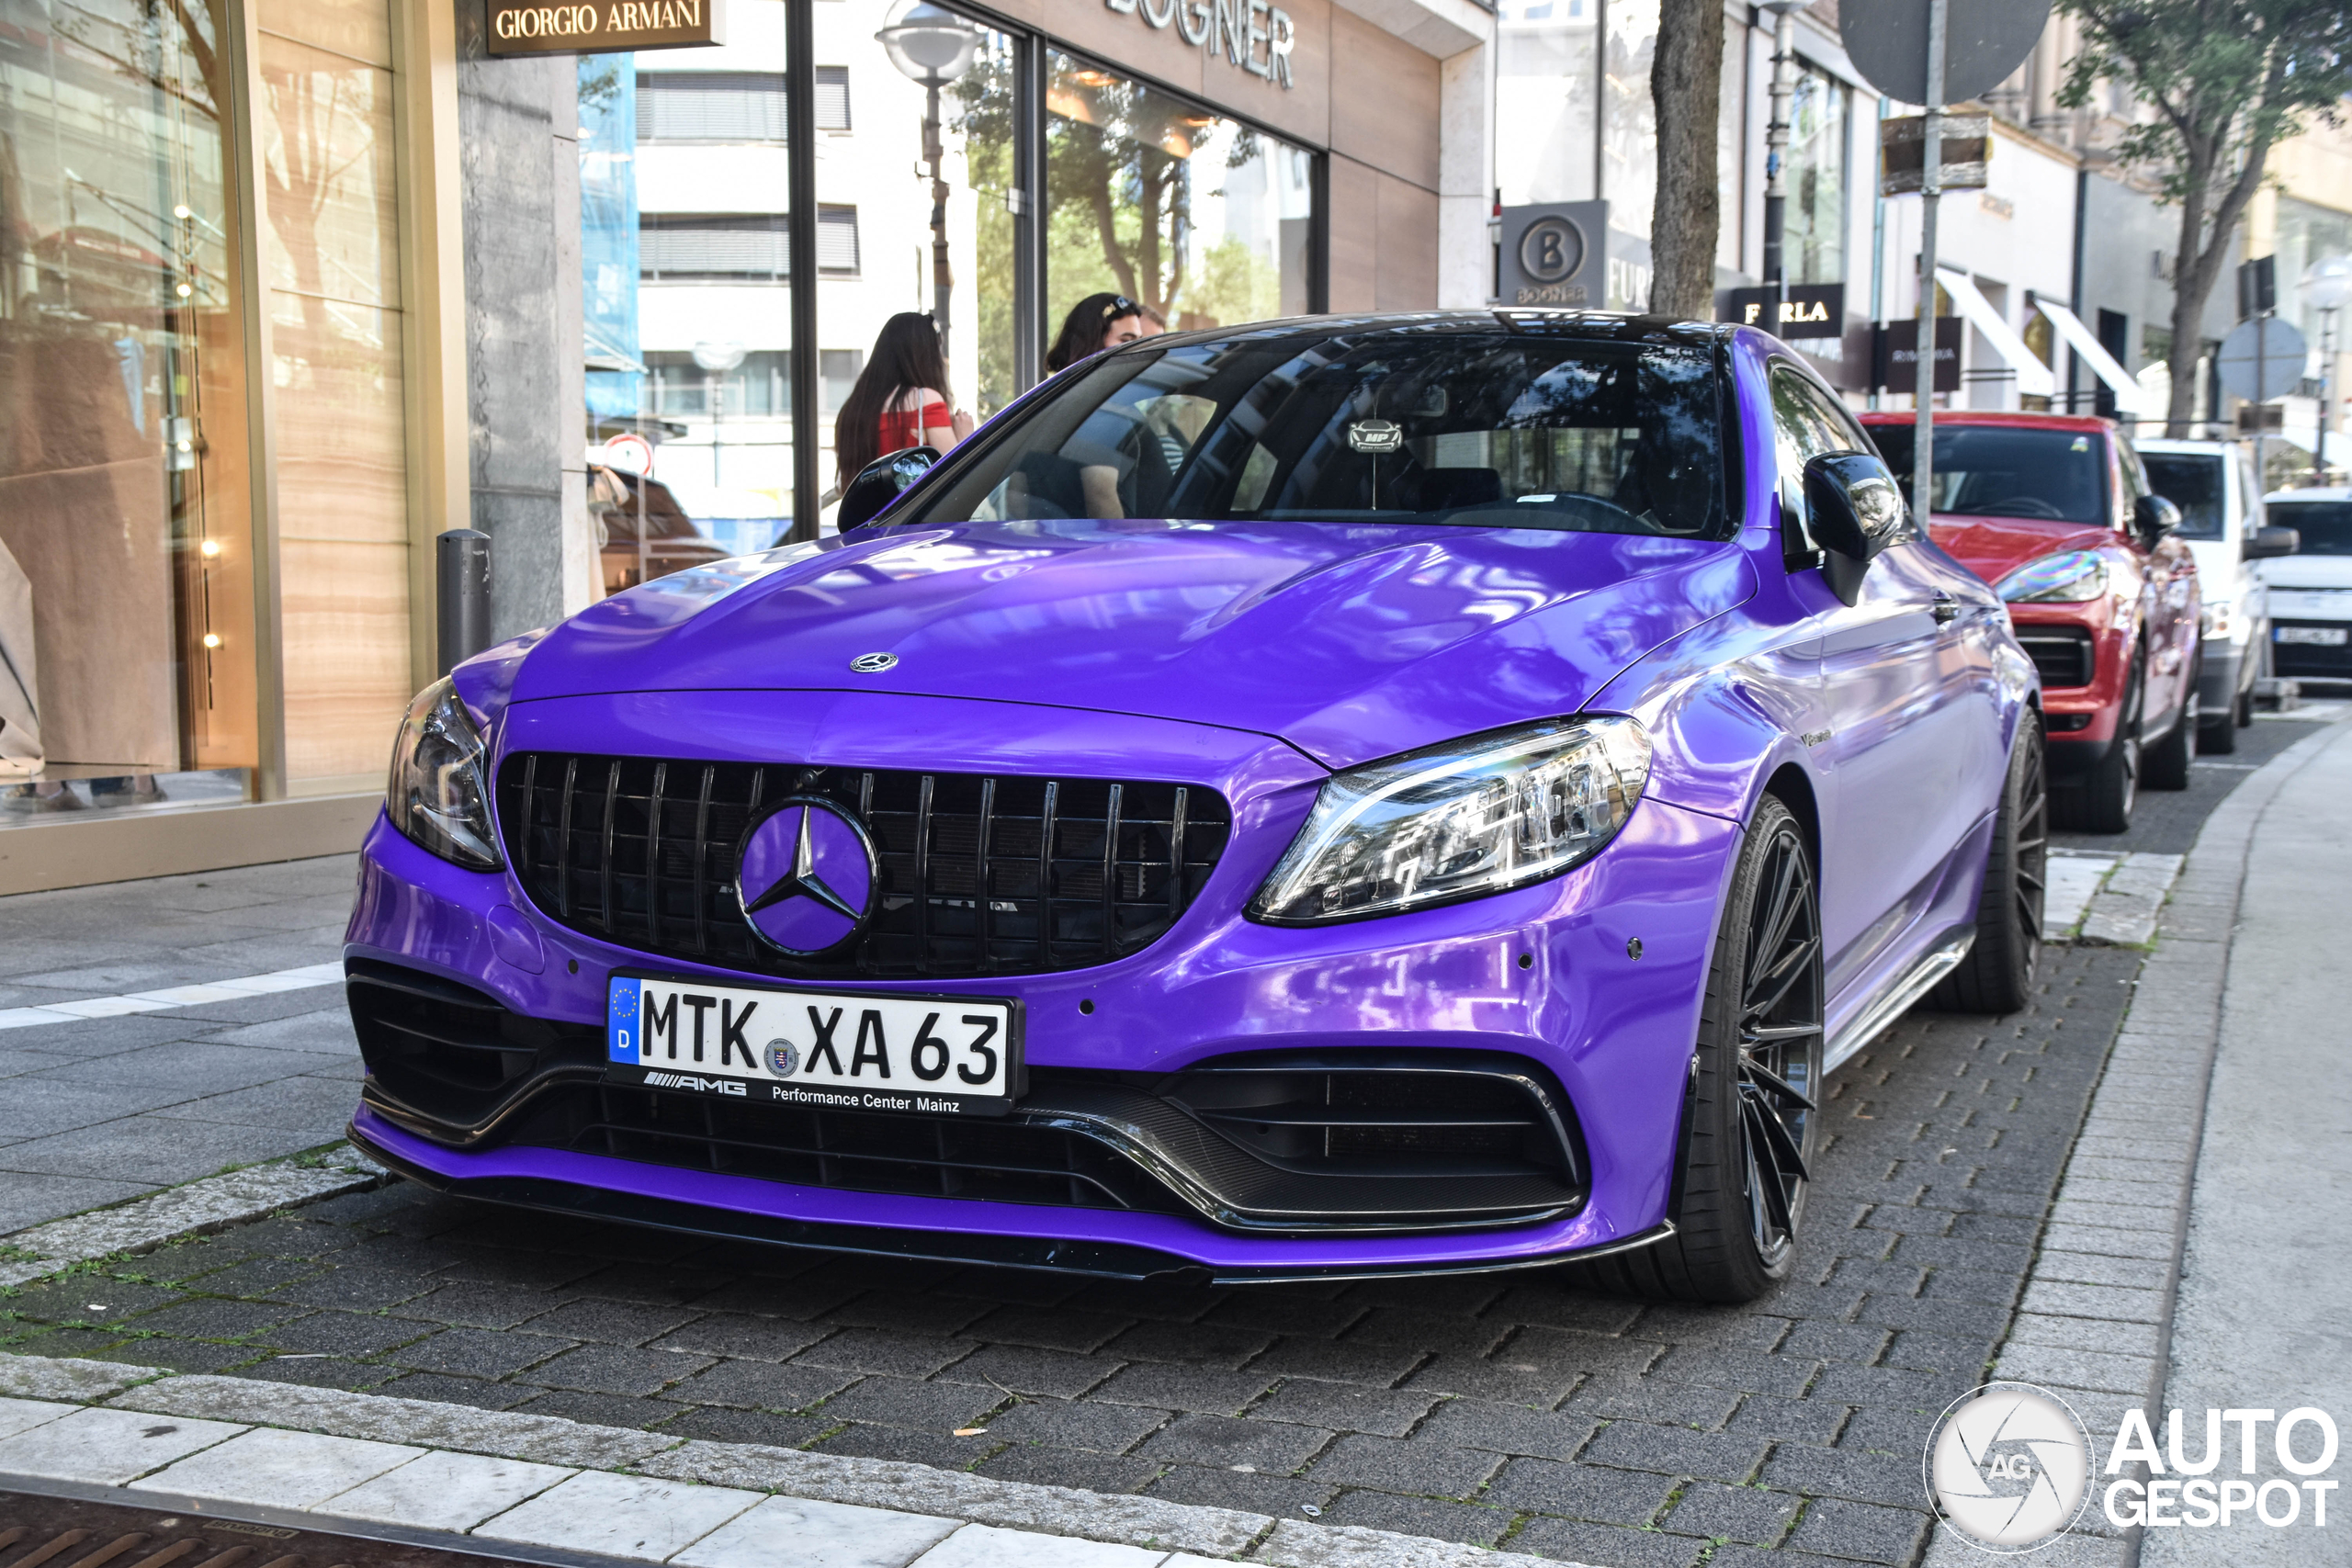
(1375, 435)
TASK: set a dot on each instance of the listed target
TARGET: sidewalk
(2260, 1320)
(105, 1094)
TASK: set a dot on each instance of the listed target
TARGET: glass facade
(1814, 240)
(127, 626)
(1547, 77)
(1200, 220)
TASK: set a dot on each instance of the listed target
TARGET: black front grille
(980, 875)
(2063, 654)
(924, 1156)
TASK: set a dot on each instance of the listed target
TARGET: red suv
(2055, 513)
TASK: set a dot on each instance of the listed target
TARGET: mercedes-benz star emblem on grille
(806, 876)
(874, 663)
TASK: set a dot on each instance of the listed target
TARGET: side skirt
(1896, 999)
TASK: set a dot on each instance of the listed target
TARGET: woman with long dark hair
(1097, 322)
(900, 400)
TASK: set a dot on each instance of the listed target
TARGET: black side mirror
(1855, 510)
(880, 483)
(2153, 517)
(2269, 543)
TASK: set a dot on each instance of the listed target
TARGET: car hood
(1351, 642)
(1992, 548)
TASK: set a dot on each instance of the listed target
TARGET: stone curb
(829, 1478)
(214, 1203)
(2171, 1031)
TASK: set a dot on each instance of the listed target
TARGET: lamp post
(1776, 150)
(717, 359)
(2327, 284)
(932, 47)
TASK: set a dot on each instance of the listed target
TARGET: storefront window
(2308, 233)
(127, 648)
(1547, 73)
(1628, 118)
(1200, 220)
(687, 271)
(875, 167)
(1814, 239)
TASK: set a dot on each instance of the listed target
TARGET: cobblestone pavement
(106, 1109)
(1494, 1409)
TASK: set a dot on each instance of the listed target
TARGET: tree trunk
(2197, 265)
(1686, 83)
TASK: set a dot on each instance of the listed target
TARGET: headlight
(1461, 820)
(2221, 621)
(2071, 577)
(435, 796)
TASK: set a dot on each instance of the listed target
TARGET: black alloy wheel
(2164, 765)
(1750, 1119)
(1996, 976)
(2102, 801)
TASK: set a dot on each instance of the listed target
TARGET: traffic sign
(1985, 40)
(2262, 359)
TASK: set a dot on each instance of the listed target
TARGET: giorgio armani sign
(1257, 37)
(604, 27)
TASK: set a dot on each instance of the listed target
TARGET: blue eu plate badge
(620, 1026)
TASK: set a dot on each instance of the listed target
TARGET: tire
(2218, 736)
(1749, 1123)
(1998, 975)
(2102, 802)
(2164, 765)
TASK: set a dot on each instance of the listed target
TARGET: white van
(2310, 591)
(2222, 521)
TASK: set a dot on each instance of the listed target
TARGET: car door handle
(1947, 609)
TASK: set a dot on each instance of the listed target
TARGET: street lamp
(932, 47)
(717, 359)
(2327, 284)
(1776, 148)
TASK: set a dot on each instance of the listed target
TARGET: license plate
(2315, 637)
(836, 1051)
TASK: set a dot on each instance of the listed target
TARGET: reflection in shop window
(832, 97)
(1628, 118)
(837, 240)
(1815, 244)
(838, 369)
(711, 106)
(1199, 219)
(127, 653)
(1546, 75)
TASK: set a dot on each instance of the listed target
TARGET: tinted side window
(1806, 422)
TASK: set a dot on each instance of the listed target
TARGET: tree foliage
(2227, 81)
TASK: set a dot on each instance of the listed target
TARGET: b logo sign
(2008, 1467)
(1551, 250)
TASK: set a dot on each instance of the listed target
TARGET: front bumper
(1543, 976)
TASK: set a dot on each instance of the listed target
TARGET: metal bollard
(462, 571)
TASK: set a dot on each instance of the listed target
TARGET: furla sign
(604, 27)
(1257, 37)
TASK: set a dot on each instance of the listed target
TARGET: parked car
(2055, 511)
(2311, 589)
(643, 533)
(1452, 816)
(2213, 484)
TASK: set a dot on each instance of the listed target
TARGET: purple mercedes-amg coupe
(1342, 797)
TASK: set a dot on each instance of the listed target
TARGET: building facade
(290, 286)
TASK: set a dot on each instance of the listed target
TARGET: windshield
(2193, 482)
(1472, 429)
(1993, 470)
(2325, 525)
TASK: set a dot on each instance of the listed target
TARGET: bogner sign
(604, 27)
(1255, 35)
